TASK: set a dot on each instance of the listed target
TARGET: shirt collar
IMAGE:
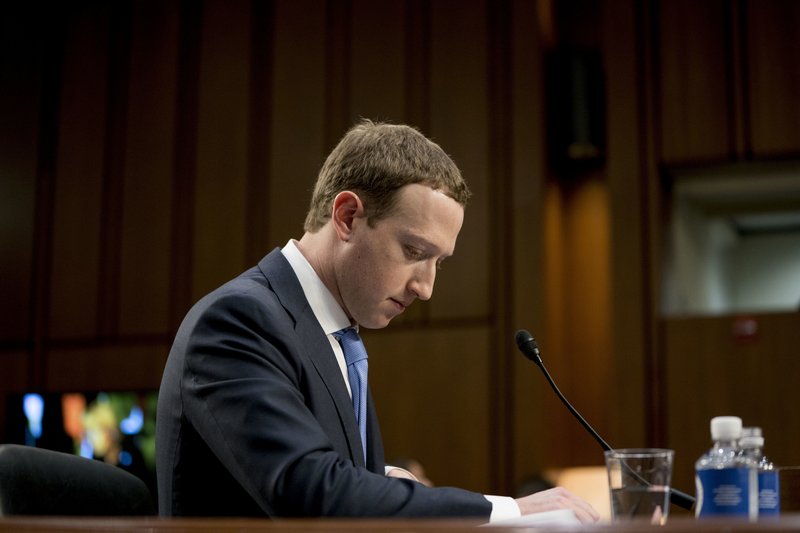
(326, 309)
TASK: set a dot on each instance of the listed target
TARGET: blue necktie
(355, 355)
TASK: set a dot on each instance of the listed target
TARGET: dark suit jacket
(254, 417)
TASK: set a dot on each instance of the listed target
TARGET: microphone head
(528, 346)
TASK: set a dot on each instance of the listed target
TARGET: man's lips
(401, 305)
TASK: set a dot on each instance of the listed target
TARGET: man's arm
(258, 403)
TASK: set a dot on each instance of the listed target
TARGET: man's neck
(318, 249)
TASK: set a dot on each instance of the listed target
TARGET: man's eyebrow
(430, 248)
(421, 241)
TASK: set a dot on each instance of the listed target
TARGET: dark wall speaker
(575, 99)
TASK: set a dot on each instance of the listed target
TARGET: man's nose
(422, 282)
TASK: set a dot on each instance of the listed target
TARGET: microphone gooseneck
(530, 349)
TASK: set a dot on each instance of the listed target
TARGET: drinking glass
(639, 483)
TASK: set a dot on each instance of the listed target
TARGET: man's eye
(413, 253)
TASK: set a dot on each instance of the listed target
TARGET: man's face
(381, 270)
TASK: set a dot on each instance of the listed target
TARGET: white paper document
(559, 517)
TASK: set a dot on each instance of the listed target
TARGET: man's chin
(376, 322)
(380, 325)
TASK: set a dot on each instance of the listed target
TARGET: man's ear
(347, 207)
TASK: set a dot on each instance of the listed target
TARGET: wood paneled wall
(713, 369)
(719, 86)
(727, 80)
(152, 150)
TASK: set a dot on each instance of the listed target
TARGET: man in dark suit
(256, 409)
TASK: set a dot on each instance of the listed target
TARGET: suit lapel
(319, 351)
(375, 459)
(314, 344)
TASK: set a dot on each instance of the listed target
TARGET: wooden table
(682, 524)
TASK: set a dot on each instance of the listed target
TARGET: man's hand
(558, 498)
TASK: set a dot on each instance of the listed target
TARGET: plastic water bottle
(727, 482)
(752, 443)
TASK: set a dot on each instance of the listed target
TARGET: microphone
(530, 349)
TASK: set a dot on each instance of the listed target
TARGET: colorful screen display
(116, 427)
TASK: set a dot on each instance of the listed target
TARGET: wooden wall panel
(528, 170)
(21, 60)
(459, 124)
(575, 337)
(431, 407)
(185, 161)
(773, 46)
(694, 105)
(629, 321)
(259, 119)
(298, 133)
(551, 334)
(113, 156)
(711, 373)
(221, 186)
(149, 163)
(417, 63)
(102, 366)
(499, 153)
(337, 38)
(576, 342)
(79, 177)
(377, 69)
(13, 379)
(588, 317)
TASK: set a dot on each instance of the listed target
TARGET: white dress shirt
(326, 309)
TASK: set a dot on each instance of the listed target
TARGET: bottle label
(724, 491)
(768, 493)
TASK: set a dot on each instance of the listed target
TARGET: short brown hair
(375, 160)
